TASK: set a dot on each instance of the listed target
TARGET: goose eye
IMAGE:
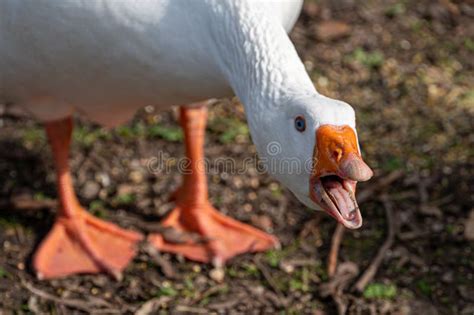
(300, 123)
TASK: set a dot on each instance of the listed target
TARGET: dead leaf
(332, 30)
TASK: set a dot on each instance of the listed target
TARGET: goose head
(310, 145)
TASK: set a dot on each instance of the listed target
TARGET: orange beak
(337, 168)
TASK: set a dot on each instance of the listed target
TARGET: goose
(106, 59)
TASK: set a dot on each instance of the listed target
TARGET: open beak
(337, 168)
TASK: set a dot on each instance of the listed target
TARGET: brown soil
(407, 67)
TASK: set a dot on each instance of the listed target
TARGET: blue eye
(300, 123)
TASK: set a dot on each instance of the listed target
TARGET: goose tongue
(341, 198)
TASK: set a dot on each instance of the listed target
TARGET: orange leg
(79, 242)
(223, 237)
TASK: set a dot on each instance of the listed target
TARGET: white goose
(105, 59)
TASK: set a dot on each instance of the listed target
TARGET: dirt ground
(408, 69)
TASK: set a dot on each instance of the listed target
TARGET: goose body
(106, 59)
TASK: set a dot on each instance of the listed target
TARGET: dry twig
(334, 252)
(345, 273)
(191, 310)
(370, 272)
(87, 307)
(228, 303)
(165, 265)
(202, 295)
(271, 282)
(26, 202)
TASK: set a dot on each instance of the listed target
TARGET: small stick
(166, 266)
(334, 252)
(191, 310)
(28, 203)
(271, 282)
(370, 272)
(73, 303)
(207, 293)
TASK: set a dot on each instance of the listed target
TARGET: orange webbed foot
(85, 244)
(221, 237)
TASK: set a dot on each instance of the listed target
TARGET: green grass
(223, 289)
(300, 281)
(232, 272)
(371, 60)
(229, 129)
(418, 25)
(125, 199)
(276, 190)
(3, 273)
(251, 269)
(97, 208)
(40, 196)
(469, 44)
(86, 136)
(130, 132)
(33, 136)
(395, 10)
(8, 222)
(380, 291)
(321, 272)
(467, 99)
(247, 269)
(172, 134)
(189, 291)
(167, 291)
(273, 257)
(425, 287)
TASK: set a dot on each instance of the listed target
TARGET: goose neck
(256, 55)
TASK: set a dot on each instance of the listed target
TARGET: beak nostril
(337, 154)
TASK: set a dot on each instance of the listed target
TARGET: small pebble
(252, 195)
(90, 190)
(136, 177)
(103, 179)
(124, 189)
(247, 207)
(217, 274)
(254, 182)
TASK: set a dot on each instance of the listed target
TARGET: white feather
(107, 58)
